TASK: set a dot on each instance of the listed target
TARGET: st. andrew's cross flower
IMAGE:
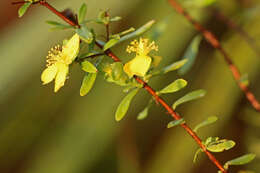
(142, 62)
(58, 61)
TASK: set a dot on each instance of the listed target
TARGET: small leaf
(115, 19)
(138, 32)
(124, 105)
(142, 115)
(87, 83)
(112, 42)
(220, 145)
(85, 34)
(244, 80)
(88, 67)
(82, 13)
(58, 25)
(197, 154)
(208, 121)
(241, 160)
(189, 97)
(175, 66)
(102, 18)
(190, 54)
(174, 86)
(22, 10)
(175, 123)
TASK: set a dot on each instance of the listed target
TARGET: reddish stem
(149, 90)
(212, 39)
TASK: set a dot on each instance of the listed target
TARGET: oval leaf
(241, 160)
(112, 42)
(85, 34)
(88, 67)
(142, 115)
(174, 86)
(175, 123)
(124, 105)
(220, 145)
(208, 121)
(138, 32)
(82, 13)
(189, 97)
(87, 83)
(24, 8)
(190, 54)
(175, 66)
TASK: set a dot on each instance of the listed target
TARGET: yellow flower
(142, 62)
(58, 61)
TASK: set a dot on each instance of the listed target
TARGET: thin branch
(212, 39)
(88, 57)
(151, 91)
(107, 27)
(232, 25)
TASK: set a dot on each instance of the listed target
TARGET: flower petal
(60, 79)
(49, 74)
(71, 49)
(138, 66)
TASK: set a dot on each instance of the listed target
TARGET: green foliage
(189, 97)
(242, 160)
(111, 43)
(190, 55)
(87, 83)
(58, 26)
(142, 115)
(88, 67)
(82, 13)
(22, 10)
(214, 144)
(199, 3)
(85, 34)
(174, 86)
(208, 121)
(124, 105)
(174, 66)
(175, 123)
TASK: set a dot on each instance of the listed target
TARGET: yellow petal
(49, 74)
(71, 49)
(138, 66)
(60, 79)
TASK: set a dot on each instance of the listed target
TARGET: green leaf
(220, 145)
(174, 86)
(241, 160)
(88, 67)
(159, 29)
(115, 19)
(82, 13)
(175, 66)
(142, 115)
(87, 83)
(112, 42)
(208, 121)
(244, 80)
(197, 154)
(85, 34)
(22, 10)
(102, 18)
(58, 25)
(190, 54)
(118, 35)
(124, 105)
(138, 32)
(175, 123)
(189, 97)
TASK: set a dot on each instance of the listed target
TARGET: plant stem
(212, 39)
(107, 26)
(149, 90)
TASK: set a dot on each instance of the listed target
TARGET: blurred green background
(44, 132)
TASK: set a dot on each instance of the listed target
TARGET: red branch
(212, 39)
(175, 115)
